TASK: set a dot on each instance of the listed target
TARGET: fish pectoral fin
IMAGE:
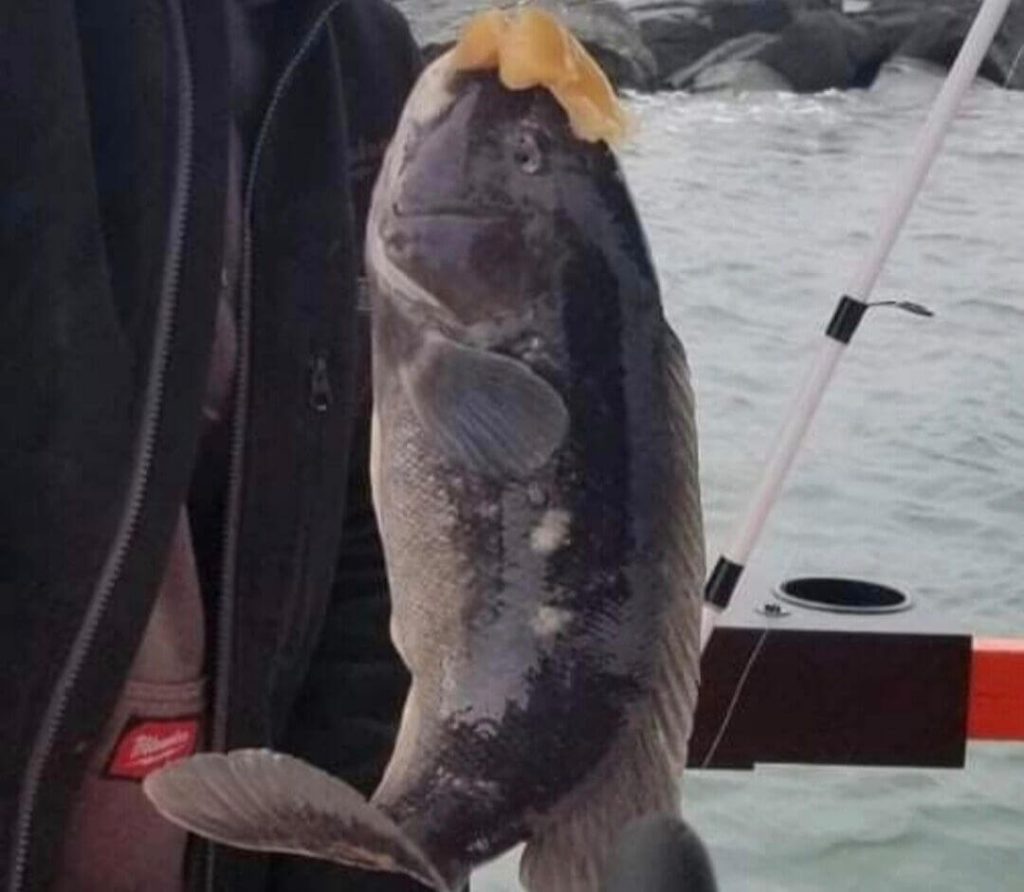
(489, 413)
(267, 801)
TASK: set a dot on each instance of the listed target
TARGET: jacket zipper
(141, 467)
(227, 595)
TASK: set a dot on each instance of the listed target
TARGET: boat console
(833, 671)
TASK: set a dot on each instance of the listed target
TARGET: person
(188, 555)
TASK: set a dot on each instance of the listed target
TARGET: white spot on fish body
(549, 621)
(475, 785)
(449, 688)
(536, 496)
(552, 532)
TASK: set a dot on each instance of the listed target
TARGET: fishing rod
(847, 315)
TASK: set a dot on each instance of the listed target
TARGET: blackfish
(534, 467)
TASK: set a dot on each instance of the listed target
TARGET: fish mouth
(411, 230)
(482, 212)
(447, 255)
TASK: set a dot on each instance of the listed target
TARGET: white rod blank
(786, 447)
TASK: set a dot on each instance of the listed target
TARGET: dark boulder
(819, 50)
(1008, 50)
(681, 32)
(934, 32)
(610, 32)
(941, 30)
(726, 67)
(937, 36)
(746, 76)
(825, 50)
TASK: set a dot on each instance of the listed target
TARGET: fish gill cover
(530, 47)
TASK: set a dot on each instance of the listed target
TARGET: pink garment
(116, 842)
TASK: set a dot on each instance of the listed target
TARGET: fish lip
(469, 211)
(486, 217)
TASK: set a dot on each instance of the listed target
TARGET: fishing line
(740, 684)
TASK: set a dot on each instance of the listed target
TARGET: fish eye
(526, 151)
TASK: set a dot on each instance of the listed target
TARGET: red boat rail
(996, 710)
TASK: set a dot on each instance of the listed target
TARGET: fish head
(485, 198)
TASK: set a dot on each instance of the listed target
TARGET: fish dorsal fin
(267, 801)
(675, 689)
(640, 775)
(487, 412)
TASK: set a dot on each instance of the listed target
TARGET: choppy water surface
(758, 209)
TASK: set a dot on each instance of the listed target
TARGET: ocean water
(758, 209)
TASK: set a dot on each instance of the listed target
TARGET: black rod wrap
(846, 318)
(722, 583)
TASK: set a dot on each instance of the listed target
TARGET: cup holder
(838, 595)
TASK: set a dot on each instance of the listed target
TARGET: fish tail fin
(267, 801)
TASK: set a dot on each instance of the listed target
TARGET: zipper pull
(320, 395)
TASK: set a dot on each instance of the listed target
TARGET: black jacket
(113, 153)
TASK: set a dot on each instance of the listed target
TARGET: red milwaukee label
(148, 744)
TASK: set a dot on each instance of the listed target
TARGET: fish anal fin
(677, 664)
(267, 801)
